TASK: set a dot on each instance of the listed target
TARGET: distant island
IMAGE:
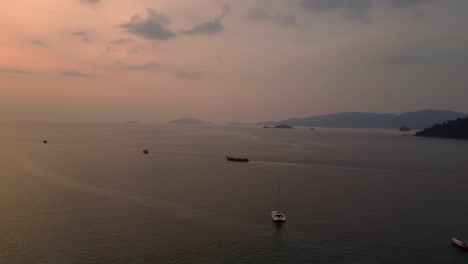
(456, 129)
(189, 121)
(280, 126)
(131, 122)
(404, 129)
(412, 120)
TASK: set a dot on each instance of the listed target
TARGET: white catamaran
(277, 215)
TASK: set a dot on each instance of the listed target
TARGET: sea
(350, 195)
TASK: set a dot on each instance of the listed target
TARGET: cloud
(80, 33)
(212, 27)
(441, 53)
(258, 15)
(149, 66)
(354, 8)
(77, 74)
(90, 1)
(85, 36)
(358, 8)
(38, 42)
(15, 71)
(285, 20)
(109, 49)
(120, 41)
(188, 75)
(135, 50)
(151, 27)
(119, 66)
(406, 3)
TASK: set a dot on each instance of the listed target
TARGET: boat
(44, 141)
(228, 158)
(457, 241)
(145, 151)
(277, 215)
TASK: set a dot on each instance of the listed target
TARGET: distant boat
(277, 215)
(237, 159)
(145, 151)
(45, 141)
(457, 241)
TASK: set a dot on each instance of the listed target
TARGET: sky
(237, 60)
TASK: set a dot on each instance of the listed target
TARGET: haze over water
(350, 195)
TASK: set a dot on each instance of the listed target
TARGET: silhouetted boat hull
(236, 159)
(459, 243)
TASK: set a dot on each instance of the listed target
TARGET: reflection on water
(278, 226)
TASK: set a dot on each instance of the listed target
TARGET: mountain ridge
(188, 121)
(413, 119)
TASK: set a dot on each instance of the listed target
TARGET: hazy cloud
(285, 20)
(149, 66)
(83, 35)
(259, 15)
(110, 49)
(211, 27)
(358, 8)
(77, 74)
(440, 53)
(90, 1)
(38, 42)
(80, 33)
(118, 65)
(189, 75)
(406, 3)
(135, 50)
(355, 8)
(120, 41)
(151, 27)
(15, 71)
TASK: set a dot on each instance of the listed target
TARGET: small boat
(145, 151)
(237, 159)
(45, 141)
(457, 241)
(277, 215)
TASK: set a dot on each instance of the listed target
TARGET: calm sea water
(350, 195)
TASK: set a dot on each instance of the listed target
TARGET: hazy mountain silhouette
(236, 123)
(413, 120)
(189, 121)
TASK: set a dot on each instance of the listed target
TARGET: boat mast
(458, 224)
(277, 198)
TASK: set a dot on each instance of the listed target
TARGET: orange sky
(78, 60)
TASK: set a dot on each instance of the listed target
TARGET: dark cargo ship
(236, 159)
